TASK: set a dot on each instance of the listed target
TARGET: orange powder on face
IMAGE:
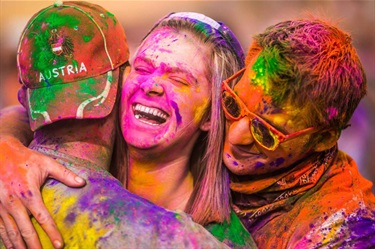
(253, 97)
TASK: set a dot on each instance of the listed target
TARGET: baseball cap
(68, 61)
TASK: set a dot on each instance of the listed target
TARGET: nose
(152, 88)
(239, 132)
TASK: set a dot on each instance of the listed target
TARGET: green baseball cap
(68, 62)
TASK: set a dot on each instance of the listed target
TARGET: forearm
(15, 124)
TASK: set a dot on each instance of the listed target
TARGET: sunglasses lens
(230, 104)
(263, 135)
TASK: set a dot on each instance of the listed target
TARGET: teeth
(153, 111)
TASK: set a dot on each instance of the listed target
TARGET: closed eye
(180, 80)
(142, 70)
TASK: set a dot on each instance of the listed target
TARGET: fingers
(64, 175)
(43, 217)
(22, 173)
(18, 225)
(4, 236)
(12, 237)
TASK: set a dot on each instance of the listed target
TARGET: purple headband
(220, 27)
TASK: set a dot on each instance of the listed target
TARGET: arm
(22, 173)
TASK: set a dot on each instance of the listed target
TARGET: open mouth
(149, 115)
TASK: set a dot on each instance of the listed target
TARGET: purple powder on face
(277, 162)
(258, 165)
(235, 163)
(177, 112)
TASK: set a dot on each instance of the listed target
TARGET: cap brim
(90, 98)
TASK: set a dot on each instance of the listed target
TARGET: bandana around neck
(257, 200)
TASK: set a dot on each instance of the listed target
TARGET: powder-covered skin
(175, 85)
(332, 208)
(302, 192)
(105, 215)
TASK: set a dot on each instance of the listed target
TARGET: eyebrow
(276, 126)
(261, 115)
(168, 69)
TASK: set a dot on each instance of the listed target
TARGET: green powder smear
(233, 233)
(43, 56)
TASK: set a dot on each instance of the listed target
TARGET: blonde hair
(210, 199)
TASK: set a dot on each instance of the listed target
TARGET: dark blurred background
(244, 18)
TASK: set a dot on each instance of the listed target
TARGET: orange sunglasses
(263, 133)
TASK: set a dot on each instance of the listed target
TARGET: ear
(327, 140)
(206, 125)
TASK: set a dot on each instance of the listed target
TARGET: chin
(142, 140)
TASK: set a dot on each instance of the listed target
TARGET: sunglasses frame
(244, 111)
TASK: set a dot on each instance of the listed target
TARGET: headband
(220, 27)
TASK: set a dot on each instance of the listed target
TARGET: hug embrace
(205, 148)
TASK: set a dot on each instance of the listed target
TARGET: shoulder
(338, 211)
(342, 230)
(234, 234)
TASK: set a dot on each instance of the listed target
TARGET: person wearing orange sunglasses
(291, 186)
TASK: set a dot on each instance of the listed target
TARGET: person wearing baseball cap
(71, 59)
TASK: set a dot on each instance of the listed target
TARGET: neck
(168, 184)
(89, 139)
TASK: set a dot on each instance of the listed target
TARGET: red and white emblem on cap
(61, 45)
(57, 48)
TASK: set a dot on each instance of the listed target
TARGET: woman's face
(166, 92)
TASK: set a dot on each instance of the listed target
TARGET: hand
(22, 173)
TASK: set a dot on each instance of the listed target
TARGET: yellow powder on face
(184, 90)
(200, 111)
